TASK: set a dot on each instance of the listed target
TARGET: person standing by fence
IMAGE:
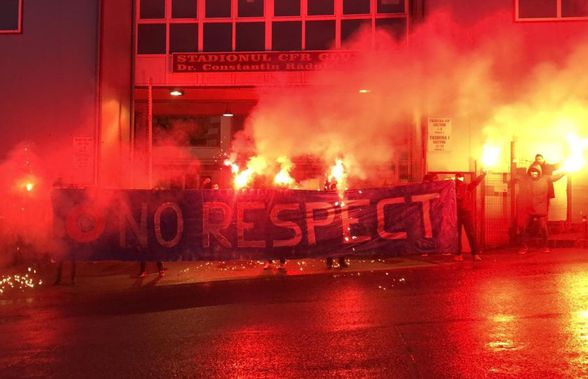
(465, 194)
(533, 206)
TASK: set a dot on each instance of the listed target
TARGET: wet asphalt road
(509, 316)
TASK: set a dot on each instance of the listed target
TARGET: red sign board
(260, 61)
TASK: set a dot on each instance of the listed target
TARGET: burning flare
(27, 184)
(337, 180)
(283, 177)
(490, 155)
(337, 174)
(575, 160)
(243, 179)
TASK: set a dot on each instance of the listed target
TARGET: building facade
(92, 82)
(219, 53)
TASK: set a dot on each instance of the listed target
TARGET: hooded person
(546, 169)
(533, 205)
(465, 194)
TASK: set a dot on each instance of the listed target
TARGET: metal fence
(496, 214)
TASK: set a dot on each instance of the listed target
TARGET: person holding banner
(466, 213)
(281, 266)
(331, 185)
(430, 177)
(143, 271)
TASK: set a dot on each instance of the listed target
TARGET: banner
(261, 61)
(255, 224)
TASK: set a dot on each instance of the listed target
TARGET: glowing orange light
(27, 184)
(242, 179)
(490, 155)
(338, 176)
(337, 171)
(234, 167)
(575, 160)
(363, 90)
(283, 177)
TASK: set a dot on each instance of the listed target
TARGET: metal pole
(513, 170)
(569, 213)
(150, 134)
(482, 209)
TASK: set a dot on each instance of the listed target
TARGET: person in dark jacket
(331, 185)
(547, 169)
(143, 269)
(533, 205)
(465, 194)
(430, 177)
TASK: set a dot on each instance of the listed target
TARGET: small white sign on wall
(439, 134)
(83, 160)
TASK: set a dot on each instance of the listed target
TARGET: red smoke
(500, 79)
(504, 79)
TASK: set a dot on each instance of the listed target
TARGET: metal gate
(496, 213)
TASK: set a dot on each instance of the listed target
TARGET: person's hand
(485, 170)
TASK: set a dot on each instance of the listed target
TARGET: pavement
(509, 316)
(107, 276)
(115, 276)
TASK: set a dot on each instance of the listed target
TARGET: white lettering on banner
(348, 221)
(244, 224)
(212, 226)
(83, 160)
(382, 232)
(311, 222)
(179, 222)
(275, 219)
(209, 227)
(426, 200)
(140, 230)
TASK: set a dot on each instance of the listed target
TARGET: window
(287, 35)
(184, 8)
(356, 6)
(170, 26)
(537, 8)
(395, 26)
(152, 9)
(350, 27)
(320, 35)
(250, 8)
(574, 8)
(218, 8)
(390, 6)
(151, 39)
(286, 7)
(320, 7)
(541, 10)
(186, 131)
(10, 16)
(217, 37)
(183, 38)
(250, 36)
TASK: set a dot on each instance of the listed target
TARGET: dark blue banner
(257, 223)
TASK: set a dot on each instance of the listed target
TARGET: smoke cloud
(506, 80)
